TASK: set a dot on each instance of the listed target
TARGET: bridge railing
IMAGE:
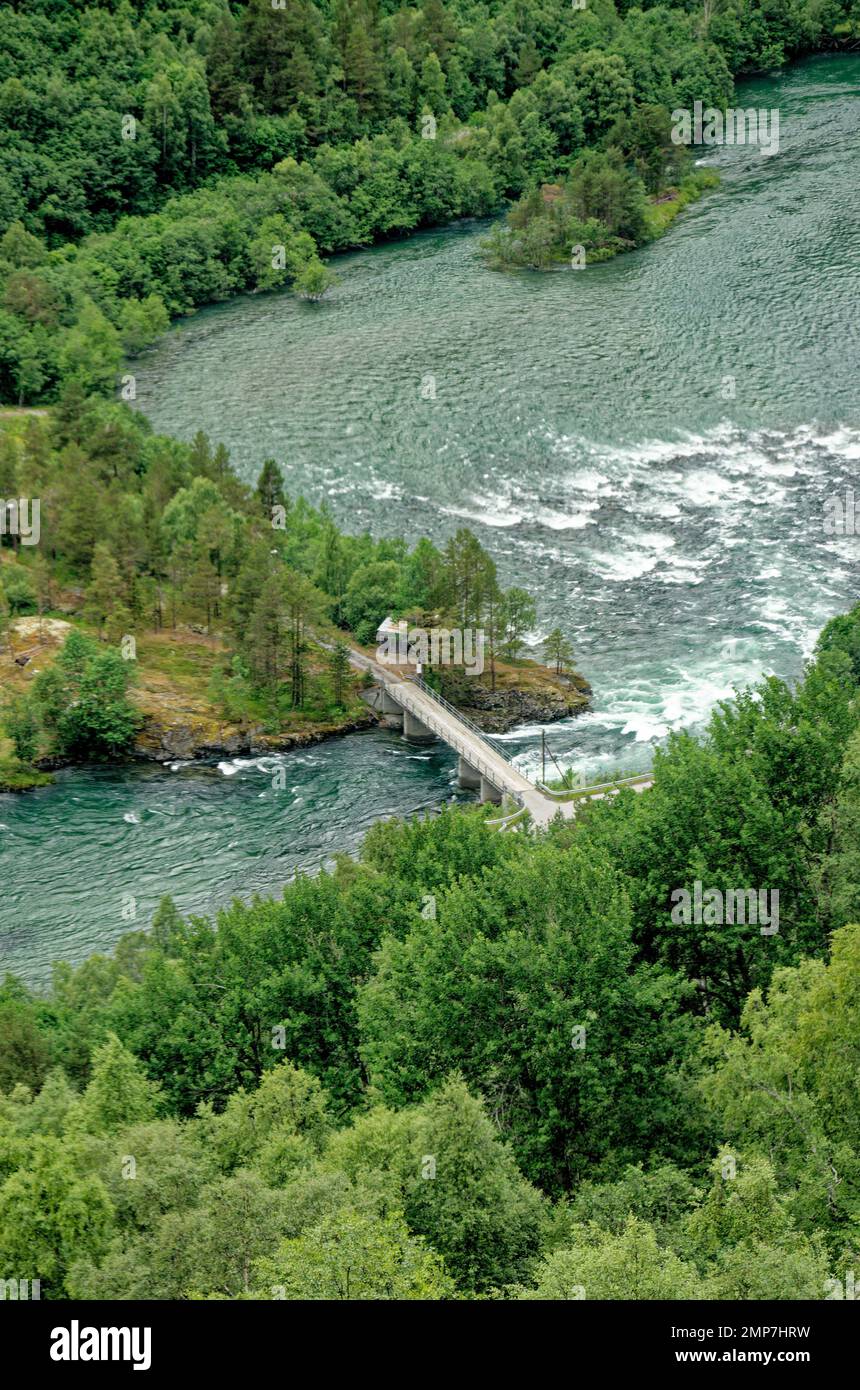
(586, 790)
(463, 718)
(459, 746)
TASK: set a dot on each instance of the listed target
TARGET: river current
(647, 446)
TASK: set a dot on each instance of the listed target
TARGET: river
(647, 446)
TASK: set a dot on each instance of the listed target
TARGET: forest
(160, 156)
(475, 1065)
(465, 1064)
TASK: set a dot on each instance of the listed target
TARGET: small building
(388, 628)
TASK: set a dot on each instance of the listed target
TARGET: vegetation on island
(600, 209)
(474, 1065)
(160, 576)
(158, 156)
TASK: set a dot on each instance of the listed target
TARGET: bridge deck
(478, 752)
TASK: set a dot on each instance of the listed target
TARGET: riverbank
(182, 722)
(527, 693)
(172, 693)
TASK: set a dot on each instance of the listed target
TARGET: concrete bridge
(408, 704)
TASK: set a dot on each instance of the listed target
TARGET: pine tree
(44, 582)
(339, 669)
(4, 616)
(265, 643)
(270, 488)
(556, 648)
(104, 605)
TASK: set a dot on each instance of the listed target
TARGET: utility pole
(543, 756)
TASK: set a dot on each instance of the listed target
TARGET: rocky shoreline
(499, 711)
(494, 711)
(190, 740)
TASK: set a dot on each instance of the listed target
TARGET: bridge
(409, 704)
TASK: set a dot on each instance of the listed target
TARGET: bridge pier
(414, 730)
(466, 775)
(489, 792)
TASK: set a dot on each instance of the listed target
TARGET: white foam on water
(621, 568)
(587, 480)
(844, 442)
(131, 818)
(659, 507)
(495, 512)
(559, 521)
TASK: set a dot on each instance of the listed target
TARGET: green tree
(354, 1256)
(22, 726)
(4, 617)
(142, 322)
(519, 616)
(431, 86)
(84, 701)
(781, 1087)
(557, 649)
(119, 1092)
(105, 607)
(314, 279)
(50, 1215)
(25, 1052)
(629, 1265)
(470, 1200)
(544, 1012)
(91, 352)
(371, 595)
(270, 488)
(339, 670)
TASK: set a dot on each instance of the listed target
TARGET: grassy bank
(175, 692)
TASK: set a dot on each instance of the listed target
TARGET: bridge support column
(414, 730)
(466, 774)
(489, 792)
